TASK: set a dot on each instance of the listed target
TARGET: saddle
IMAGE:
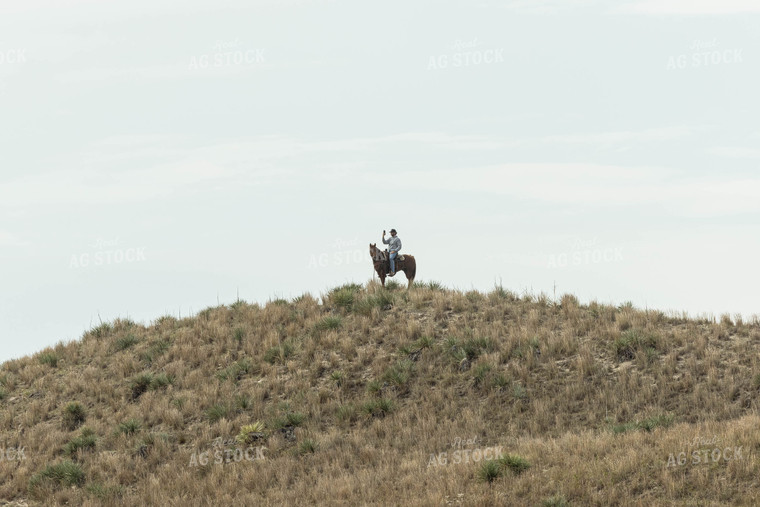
(399, 257)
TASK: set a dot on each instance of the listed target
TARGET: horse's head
(375, 253)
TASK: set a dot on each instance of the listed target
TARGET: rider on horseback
(394, 245)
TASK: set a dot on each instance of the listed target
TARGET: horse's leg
(411, 273)
(410, 279)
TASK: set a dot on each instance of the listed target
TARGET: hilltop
(369, 395)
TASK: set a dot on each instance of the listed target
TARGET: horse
(382, 264)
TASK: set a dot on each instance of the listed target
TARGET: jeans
(392, 258)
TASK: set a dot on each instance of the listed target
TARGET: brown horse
(382, 264)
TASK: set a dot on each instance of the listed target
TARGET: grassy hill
(432, 396)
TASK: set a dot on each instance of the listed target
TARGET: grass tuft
(65, 474)
(130, 427)
(84, 442)
(125, 342)
(49, 358)
(633, 340)
(74, 415)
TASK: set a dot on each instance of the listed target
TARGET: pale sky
(162, 157)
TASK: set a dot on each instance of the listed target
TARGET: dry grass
(388, 396)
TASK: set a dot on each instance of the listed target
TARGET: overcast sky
(160, 157)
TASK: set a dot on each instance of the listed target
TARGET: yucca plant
(489, 471)
(515, 464)
(307, 446)
(329, 322)
(66, 474)
(337, 377)
(251, 432)
(130, 427)
(74, 415)
(125, 342)
(139, 384)
(85, 441)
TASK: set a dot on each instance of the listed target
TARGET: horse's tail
(411, 271)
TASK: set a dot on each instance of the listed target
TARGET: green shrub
(279, 353)
(103, 330)
(499, 382)
(295, 418)
(518, 391)
(399, 373)
(469, 349)
(631, 341)
(346, 413)
(143, 447)
(307, 446)
(242, 402)
(433, 285)
(480, 373)
(337, 377)
(49, 358)
(238, 304)
(161, 380)
(217, 412)
(238, 334)
(499, 292)
(380, 300)
(290, 419)
(251, 432)
(303, 297)
(392, 285)
(66, 474)
(377, 408)
(424, 342)
(515, 464)
(489, 471)
(343, 296)
(555, 501)
(130, 427)
(74, 415)
(85, 441)
(235, 371)
(125, 342)
(156, 349)
(140, 384)
(374, 387)
(327, 323)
